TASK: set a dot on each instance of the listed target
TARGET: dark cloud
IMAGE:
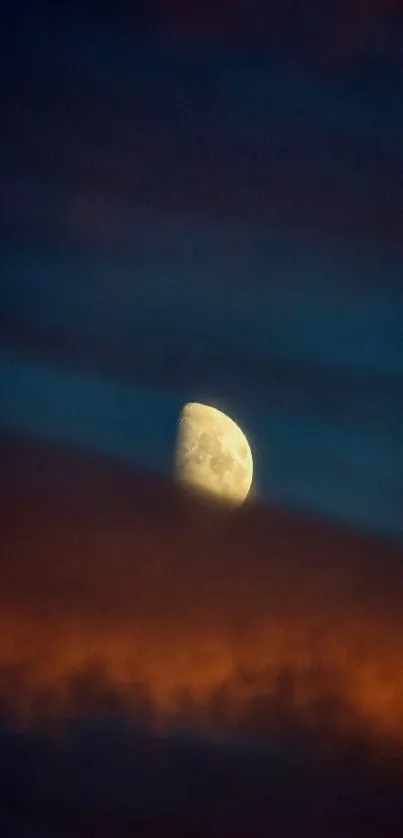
(244, 139)
(106, 780)
(272, 636)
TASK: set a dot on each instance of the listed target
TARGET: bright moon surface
(213, 454)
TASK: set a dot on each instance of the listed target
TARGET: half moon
(213, 454)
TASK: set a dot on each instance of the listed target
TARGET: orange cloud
(116, 591)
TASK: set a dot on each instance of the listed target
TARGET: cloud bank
(170, 668)
(255, 622)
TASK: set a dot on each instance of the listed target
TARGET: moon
(212, 454)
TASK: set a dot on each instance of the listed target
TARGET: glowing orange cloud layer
(116, 588)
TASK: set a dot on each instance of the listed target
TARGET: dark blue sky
(207, 219)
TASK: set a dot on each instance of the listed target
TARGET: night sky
(201, 202)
